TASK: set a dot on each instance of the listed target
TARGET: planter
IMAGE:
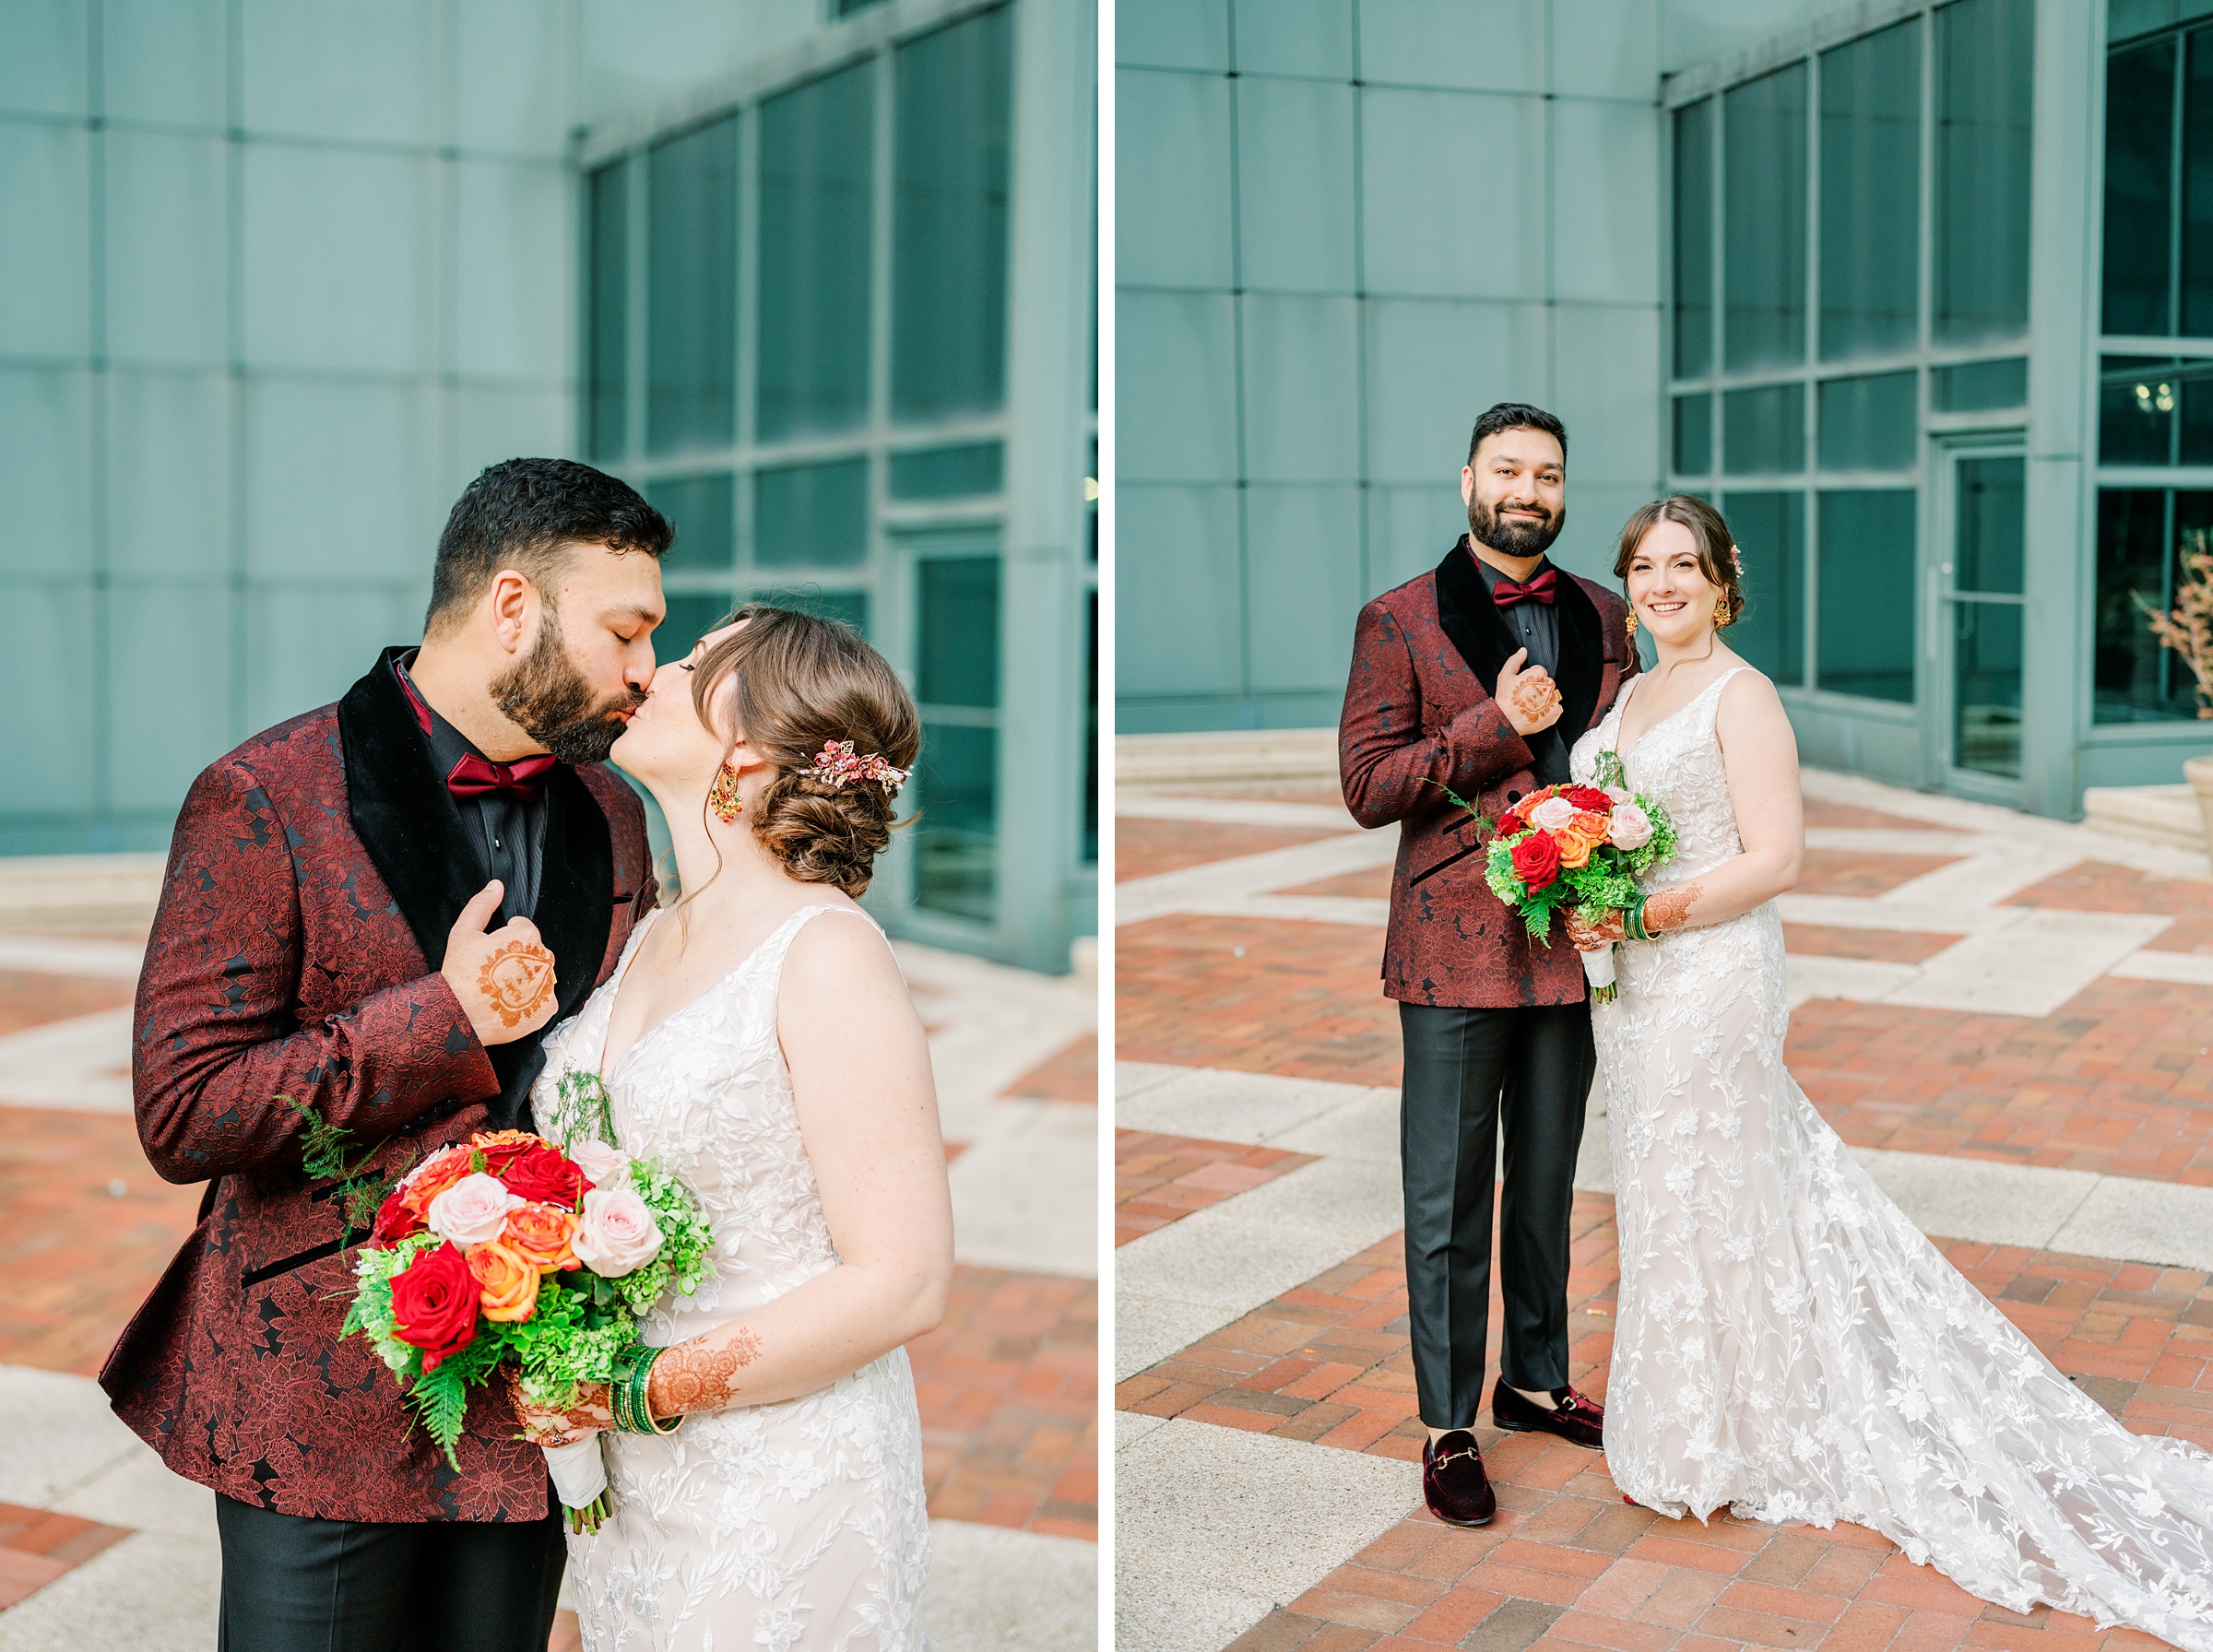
(2199, 772)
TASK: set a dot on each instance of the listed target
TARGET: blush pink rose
(472, 1211)
(1552, 814)
(618, 1235)
(603, 1166)
(1630, 826)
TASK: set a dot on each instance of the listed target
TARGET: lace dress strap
(777, 946)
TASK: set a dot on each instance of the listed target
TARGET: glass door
(1979, 590)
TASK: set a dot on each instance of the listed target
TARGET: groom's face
(588, 666)
(1516, 489)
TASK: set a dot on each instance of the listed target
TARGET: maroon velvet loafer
(1453, 1483)
(1577, 1421)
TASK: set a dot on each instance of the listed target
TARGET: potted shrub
(2188, 629)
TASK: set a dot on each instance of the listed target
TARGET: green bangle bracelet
(628, 1393)
(1632, 920)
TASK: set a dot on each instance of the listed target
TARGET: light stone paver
(1217, 1525)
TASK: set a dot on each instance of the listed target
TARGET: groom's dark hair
(521, 514)
(1517, 416)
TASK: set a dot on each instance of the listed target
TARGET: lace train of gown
(799, 1524)
(1789, 1345)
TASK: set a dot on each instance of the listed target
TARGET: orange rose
(1593, 823)
(540, 1235)
(1575, 849)
(503, 1148)
(433, 1176)
(507, 1285)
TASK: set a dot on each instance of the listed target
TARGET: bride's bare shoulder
(1751, 711)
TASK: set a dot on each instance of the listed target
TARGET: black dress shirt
(510, 835)
(1535, 626)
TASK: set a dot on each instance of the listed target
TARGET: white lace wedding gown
(1789, 1345)
(799, 1524)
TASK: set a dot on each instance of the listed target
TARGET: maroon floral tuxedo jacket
(1418, 716)
(314, 877)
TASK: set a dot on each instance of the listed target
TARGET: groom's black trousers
(1466, 1071)
(291, 1584)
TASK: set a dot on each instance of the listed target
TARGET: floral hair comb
(837, 762)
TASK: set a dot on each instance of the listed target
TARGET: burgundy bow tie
(1506, 593)
(476, 776)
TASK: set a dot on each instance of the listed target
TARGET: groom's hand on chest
(504, 979)
(1530, 698)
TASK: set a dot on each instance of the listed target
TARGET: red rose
(1510, 822)
(434, 1304)
(545, 1176)
(1538, 861)
(503, 1148)
(397, 1218)
(1589, 797)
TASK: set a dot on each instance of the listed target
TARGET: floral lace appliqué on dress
(1789, 1345)
(799, 1525)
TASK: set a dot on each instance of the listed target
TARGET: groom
(371, 914)
(1477, 677)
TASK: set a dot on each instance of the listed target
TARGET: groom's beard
(1514, 539)
(545, 696)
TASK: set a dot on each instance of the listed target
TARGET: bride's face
(1671, 595)
(665, 741)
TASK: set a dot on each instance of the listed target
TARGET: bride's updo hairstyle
(1709, 533)
(797, 684)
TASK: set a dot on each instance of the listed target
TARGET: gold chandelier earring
(1632, 625)
(1721, 610)
(722, 797)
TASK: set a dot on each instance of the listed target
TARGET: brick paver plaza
(2117, 1080)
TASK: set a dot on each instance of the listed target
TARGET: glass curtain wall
(2155, 393)
(1800, 198)
(797, 347)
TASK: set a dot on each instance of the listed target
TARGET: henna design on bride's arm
(545, 1425)
(693, 1377)
(1670, 909)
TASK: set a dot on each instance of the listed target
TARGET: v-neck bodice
(705, 1091)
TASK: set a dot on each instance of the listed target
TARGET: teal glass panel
(2140, 190)
(2155, 411)
(949, 286)
(609, 312)
(1763, 430)
(691, 290)
(958, 661)
(1865, 602)
(847, 607)
(1869, 423)
(1990, 526)
(691, 615)
(1985, 51)
(1089, 851)
(1871, 194)
(2196, 297)
(1986, 688)
(956, 838)
(701, 509)
(1693, 238)
(2136, 396)
(949, 472)
(811, 515)
(815, 212)
(845, 9)
(2143, 535)
(1979, 386)
(1694, 434)
(1763, 221)
(1769, 531)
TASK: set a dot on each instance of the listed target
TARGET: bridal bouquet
(1578, 847)
(512, 1249)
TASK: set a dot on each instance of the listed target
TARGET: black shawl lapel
(1470, 619)
(407, 819)
(401, 810)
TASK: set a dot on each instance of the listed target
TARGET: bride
(758, 1040)
(1789, 1345)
